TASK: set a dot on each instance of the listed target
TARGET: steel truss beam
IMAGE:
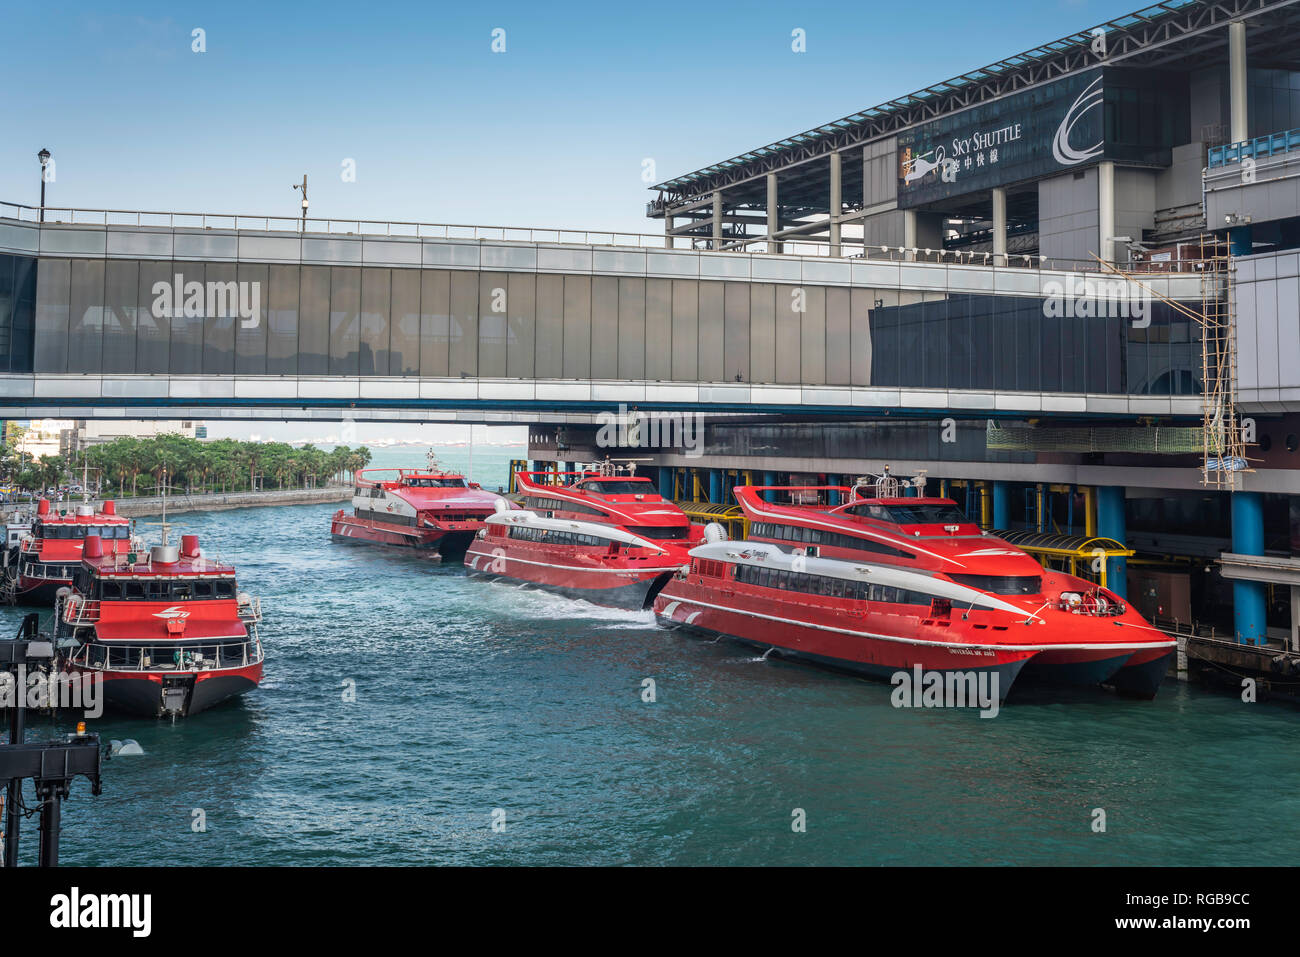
(1157, 36)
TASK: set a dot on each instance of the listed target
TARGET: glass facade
(17, 312)
(125, 317)
(1273, 98)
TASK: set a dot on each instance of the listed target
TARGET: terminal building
(1065, 286)
(1143, 146)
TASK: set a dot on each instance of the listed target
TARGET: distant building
(42, 437)
(80, 434)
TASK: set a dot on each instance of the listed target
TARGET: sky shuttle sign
(1035, 133)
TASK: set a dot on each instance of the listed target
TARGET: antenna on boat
(886, 485)
(164, 524)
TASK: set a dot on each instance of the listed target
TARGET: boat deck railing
(250, 609)
(163, 659)
(79, 611)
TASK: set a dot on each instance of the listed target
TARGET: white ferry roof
(764, 555)
(523, 517)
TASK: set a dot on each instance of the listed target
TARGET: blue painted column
(715, 486)
(1248, 598)
(1110, 524)
(1001, 505)
(833, 497)
(769, 478)
(666, 482)
(1240, 241)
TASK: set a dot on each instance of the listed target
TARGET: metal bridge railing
(1260, 146)
(849, 248)
(162, 658)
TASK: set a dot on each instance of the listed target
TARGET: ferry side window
(203, 589)
(135, 589)
(157, 591)
(182, 590)
(110, 590)
(225, 589)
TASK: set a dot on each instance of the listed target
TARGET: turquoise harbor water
(472, 697)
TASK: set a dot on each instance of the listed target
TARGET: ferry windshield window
(559, 505)
(436, 483)
(606, 487)
(662, 533)
(827, 585)
(1002, 584)
(817, 536)
(555, 537)
(164, 590)
(927, 515)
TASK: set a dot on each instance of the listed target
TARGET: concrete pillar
(668, 231)
(1295, 618)
(836, 202)
(715, 486)
(1110, 524)
(1106, 210)
(1001, 517)
(773, 216)
(909, 233)
(1238, 128)
(717, 219)
(1248, 598)
(999, 227)
(769, 478)
(666, 482)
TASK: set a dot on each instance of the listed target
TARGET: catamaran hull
(38, 591)
(613, 588)
(183, 694)
(1143, 675)
(448, 546)
(856, 652)
(1075, 668)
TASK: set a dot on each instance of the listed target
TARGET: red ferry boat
(605, 537)
(47, 558)
(429, 509)
(167, 632)
(881, 583)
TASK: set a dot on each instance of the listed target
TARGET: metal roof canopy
(1171, 34)
(1065, 546)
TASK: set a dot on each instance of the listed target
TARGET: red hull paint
(349, 528)
(1085, 634)
(578, 572)
(878, 643)
(838, 625)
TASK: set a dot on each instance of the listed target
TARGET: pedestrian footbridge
(113, 313)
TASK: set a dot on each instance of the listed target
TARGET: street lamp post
(303, 186)
(44, 157)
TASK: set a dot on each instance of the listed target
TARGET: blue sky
(552, 132)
